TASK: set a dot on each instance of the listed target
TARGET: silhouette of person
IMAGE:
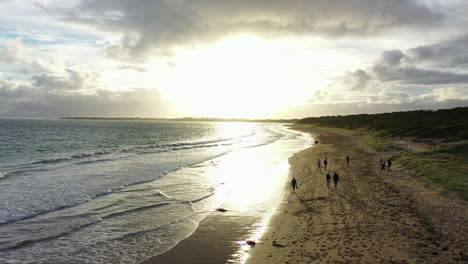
(389, 164)
(382, 167)
(347, 160)
(319, 165)
(325, 163)
(336, 178)
(328, 177)
(294, 184)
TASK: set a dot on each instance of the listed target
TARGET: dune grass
(379, 143)
(445, 165)
(336, 129)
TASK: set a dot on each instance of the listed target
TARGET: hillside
(450, 124)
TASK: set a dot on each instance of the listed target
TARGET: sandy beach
(371, 217)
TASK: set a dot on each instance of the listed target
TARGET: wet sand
(371, 217)
(217, 240)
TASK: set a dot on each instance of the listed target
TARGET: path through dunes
(371, 217)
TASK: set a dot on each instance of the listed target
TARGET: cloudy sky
(225, 58)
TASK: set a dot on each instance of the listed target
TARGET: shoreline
(223, 235)
(370, 218)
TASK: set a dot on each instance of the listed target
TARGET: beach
(371, 217)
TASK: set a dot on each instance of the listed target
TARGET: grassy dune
(445, 165)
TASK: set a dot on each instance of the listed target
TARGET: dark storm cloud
(157, 27)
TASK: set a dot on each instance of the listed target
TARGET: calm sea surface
(84, 191)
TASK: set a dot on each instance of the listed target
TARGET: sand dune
(371, 217)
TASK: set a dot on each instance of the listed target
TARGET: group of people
(319, 164)
(336, 178)
(328, 176)
(385, 167)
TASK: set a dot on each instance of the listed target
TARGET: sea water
(108, 191)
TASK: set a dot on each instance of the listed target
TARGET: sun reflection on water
(250, 183)
(248, 179)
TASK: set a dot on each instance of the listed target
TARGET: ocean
(115, 191)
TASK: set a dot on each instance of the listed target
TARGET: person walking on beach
(325, 163)
(294, 184)
(389, 165)
(347, 160)
(336, 178)
(328, 177)
(319, 165)
(382, 167)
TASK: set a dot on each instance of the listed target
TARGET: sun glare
(241, 76)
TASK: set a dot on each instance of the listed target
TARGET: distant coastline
(205, 119)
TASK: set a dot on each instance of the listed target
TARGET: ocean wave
(33, 214)
(40, 212)
(136, 149)
(201, 198)
(194, 147)
(153, 148)
(156, 228)
(82, 155)
(5, 175)
(70, 158)
(94, 161)
(137, 209)
(195, 143)
(48, 161)
(51, 236)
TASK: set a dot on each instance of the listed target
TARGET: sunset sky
(225, 58)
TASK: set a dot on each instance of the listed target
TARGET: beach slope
(371, 217)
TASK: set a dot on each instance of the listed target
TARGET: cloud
(73, 80)
(160, 26)
(133, 68)
(12, 51)
(76, 93)
(448, 93)
(389, 98)
(442, 63)
(353, 81)
(426, 76)
(450, 53)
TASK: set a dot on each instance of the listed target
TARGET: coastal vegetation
(443, 162)
(450, 124)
